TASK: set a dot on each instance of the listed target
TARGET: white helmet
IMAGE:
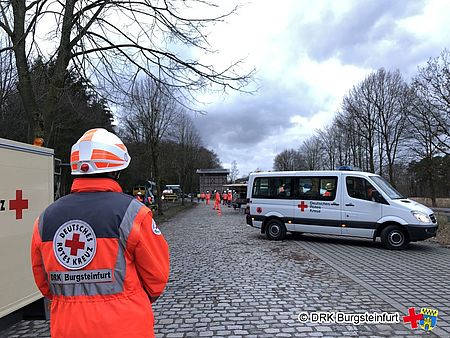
(98, 151)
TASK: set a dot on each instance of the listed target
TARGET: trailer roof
(8, 144)
(213, 171)
(236, 185)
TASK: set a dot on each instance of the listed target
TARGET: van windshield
(387, 187)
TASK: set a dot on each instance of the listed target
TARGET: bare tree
(423, 141)
(7, 78)
(376, 111)
(289, 159)
(329, 138)
(234, 171)
(114, 41)
(362, 115)
(432, 84)
(392, 104)
(188, 143)
(311, 151)
(348, 141)
(151, 114)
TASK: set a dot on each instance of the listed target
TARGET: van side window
(317, 188)
(261, 187)
(272, 187)
(359, 187)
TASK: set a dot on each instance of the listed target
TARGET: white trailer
(26, 189)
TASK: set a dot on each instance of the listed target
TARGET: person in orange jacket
(217, 201)
(224, 197)
(230, 198)
(208, 197)
(139, 197)
(97, 253)
(329, 190)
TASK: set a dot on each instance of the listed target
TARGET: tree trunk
(24, 84)
(56, 84)
(430, 174)
(391, 173)
(155, 164)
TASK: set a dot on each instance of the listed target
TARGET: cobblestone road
(417, 277)
(228, 281)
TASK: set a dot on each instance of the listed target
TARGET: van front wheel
(275, 230)
(393, 237)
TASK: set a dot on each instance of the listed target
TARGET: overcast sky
(307, 55)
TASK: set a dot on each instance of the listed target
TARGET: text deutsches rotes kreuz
(81, 228)
(317, 206)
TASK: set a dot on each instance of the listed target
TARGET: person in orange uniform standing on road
(217, 200)
(208, 197)
(230, 198)
(97, 253)
(224, 197)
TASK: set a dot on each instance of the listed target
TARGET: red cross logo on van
(303, 206)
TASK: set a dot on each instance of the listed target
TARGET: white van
(348, 203)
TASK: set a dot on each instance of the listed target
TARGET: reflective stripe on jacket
(102, 289)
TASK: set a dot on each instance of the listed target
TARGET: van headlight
(421, 216)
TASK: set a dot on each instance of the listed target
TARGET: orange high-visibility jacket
(99, 256)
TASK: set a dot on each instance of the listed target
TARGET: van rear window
(272, 187)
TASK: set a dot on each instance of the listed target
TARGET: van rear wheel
(275, 230)
(393, 237)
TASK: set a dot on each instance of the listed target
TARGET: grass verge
(443, 234)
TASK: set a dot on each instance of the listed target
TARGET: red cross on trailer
(303, 206)
(74, 244)
(18, 204)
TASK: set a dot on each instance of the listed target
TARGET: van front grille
(433, 218)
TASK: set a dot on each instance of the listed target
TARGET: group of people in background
(225, 198)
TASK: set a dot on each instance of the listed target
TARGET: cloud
(308, 54)
(368, 34)
(248, 119)
(364, 23)
(257, 127)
